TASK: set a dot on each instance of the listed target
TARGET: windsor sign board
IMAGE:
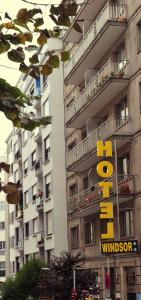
(119, 247)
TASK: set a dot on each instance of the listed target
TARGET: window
(17, 235)
(25, 167)
(38, 86)
(2, 205)
(89, 232)
(124, 165)
(49, 223)
(48, 185)
(34, 192)
(2, 245)
(2, 265)
(25, 136)
(85, 183)
(27, 229)
(74, 237)
(139, 36)
(35, 225)
(2, 225)
(73, 190)
(122, 112)
(33, 157)
(26, 198)
(46, 108)
(71, 145)
(127, 228)
(47, 148)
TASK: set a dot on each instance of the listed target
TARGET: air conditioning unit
(38, 201)
(39, 237)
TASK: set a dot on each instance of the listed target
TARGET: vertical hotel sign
(105, 170)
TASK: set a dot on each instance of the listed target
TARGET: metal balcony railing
(112, 69)
(94, 194)
(107, 129)
(113, 12)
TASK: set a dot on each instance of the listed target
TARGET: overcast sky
(12, 6)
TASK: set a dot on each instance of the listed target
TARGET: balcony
(83, 156)
(88, 10)
(91, 197)
(38, 135)
(104, 32)
(98, 93)
(19, 215)
(39, 204)
(40, 239)
(19, 245)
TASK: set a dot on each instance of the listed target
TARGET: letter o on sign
(105, 169)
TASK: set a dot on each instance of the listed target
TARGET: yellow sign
(105, 170)
(119, 247)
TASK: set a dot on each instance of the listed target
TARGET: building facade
(37, 161)
(2, 238)
(102, 102)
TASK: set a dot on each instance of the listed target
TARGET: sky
(12, 7)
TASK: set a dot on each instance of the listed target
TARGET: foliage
(25, 282)
(58, 279)
(12, 102)
(16, 38)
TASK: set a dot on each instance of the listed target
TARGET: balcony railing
(19, 245)
(104, 131)
(113, 12)
(112, 69)
(39, 203)
(94, 194)
(40, 238)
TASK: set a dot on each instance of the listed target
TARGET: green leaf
(64, 20)
(7, 16)
(28, 36)
(54, 61)
(71, 9)
(39, 22)
(4, 46)
(42, 39)
(34, 11)
(65, 56)
(31, 48)
(53, 19)
(21, 23)
(46, 32)
(46, 70)
(24, 69)
(77, 27)
(55, 33)
(23, 15)
(34, 74)
(55, 10)
(34, 59)
(16, 55)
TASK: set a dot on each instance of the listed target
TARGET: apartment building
(2, 238)
(103, 102)
(38, 224)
